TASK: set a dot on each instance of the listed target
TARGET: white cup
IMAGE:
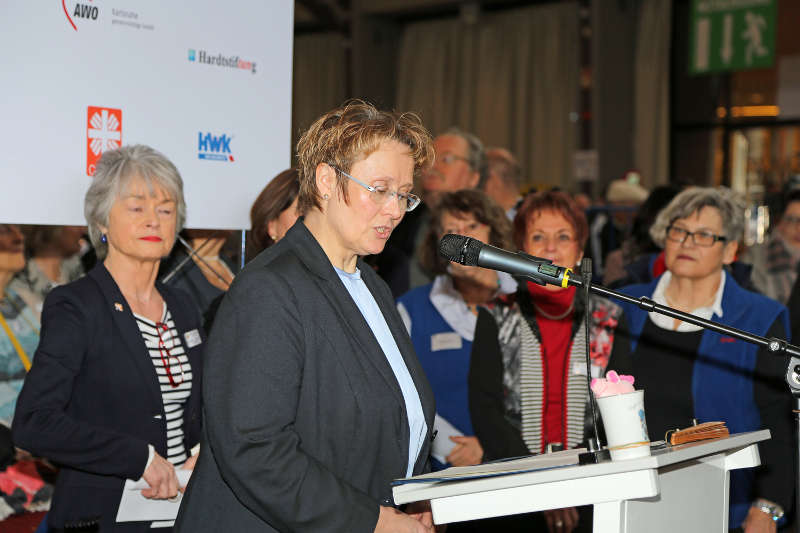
(626, 428)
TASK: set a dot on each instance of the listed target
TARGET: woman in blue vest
(441, 316)
(688, 372)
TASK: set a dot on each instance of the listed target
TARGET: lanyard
(26, 362)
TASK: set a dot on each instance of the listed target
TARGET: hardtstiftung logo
(103, 132)
(214, 147)
(219, 60)
(80, 11)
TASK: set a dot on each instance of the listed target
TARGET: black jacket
(305, 423)
(91, 402)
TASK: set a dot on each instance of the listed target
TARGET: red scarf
(556, 342)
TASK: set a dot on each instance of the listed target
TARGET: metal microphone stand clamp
(792, 374)
(793, 380)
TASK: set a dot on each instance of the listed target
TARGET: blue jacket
(722, 380)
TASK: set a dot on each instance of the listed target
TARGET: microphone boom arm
(773, 345)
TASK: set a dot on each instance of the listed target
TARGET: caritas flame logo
(103, 132)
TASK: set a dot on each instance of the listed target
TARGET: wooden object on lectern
(707, 430)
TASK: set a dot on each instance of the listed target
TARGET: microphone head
(460, 249)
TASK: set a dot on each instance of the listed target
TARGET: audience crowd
(505, 357)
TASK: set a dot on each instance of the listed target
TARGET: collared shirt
(707, 312)
(366, 303)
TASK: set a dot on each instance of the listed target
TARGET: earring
(325, 196)
(273, 237)
(104, 239)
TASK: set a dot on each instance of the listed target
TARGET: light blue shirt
(366, 303)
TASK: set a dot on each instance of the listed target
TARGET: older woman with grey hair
(114, 391)
(691, 373)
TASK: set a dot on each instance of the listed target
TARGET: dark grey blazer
(305, 424)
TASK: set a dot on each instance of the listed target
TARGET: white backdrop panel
(143, 57)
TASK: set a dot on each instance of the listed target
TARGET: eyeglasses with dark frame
(699, 238)
(167, 361)
(380, 195)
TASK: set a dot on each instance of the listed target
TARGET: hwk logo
(213, 147)
(191, 55)
(103, 132)
(81, 11)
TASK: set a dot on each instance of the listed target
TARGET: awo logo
(80, 11)
(214, 147)
(103, 132)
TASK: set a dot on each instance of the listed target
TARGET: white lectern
(679, 488)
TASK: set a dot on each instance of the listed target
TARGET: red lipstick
(151, 238)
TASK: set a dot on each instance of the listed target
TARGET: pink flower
(612, 384)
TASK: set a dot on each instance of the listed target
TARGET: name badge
(579, 369)
(446, 341)
(192, 338)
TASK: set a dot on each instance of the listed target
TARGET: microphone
(472, 252)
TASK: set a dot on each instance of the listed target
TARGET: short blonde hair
(688, 202)
(114, 172)
(345, 135)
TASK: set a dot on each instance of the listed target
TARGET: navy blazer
(91, 402)
(305, 423)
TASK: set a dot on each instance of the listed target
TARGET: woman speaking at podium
(316, 399)
(688, 372)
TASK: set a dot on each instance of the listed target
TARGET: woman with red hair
(528, 384)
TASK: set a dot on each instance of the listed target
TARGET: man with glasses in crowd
(460, 163)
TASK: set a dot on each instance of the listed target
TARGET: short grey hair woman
(727, 204)
(691, 373)
(111, 179)
(114, 389)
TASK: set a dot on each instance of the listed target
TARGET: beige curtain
(511, 78)
(319, 79)
(651, 89)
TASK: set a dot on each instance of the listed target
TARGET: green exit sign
(732, 35)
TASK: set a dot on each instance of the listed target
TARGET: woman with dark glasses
(688, 372)
(114, 391)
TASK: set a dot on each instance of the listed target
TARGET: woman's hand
(758, 522)
(160, 475)
(190, 462)
(421, 511)
(390, 520)
(468, 451)
(189, 465)
(561, 520)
